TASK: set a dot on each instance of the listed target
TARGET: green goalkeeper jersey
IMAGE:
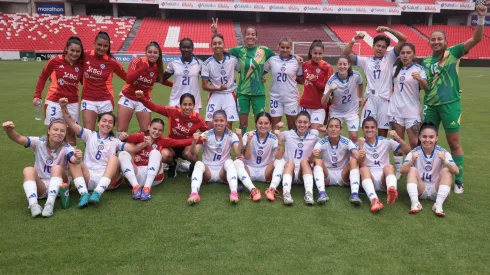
(443, 76)
(251, 62)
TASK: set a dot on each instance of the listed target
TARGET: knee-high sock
(308, 181)
(53, 188)
(103, 184)
(398, 162)
(413, 192)
(80, 185)
(196, 179)
(287, 180)
(154, 161)
(354, 178)
(231, 175)
(277, 173)
(442, 194)
(368, 186)
(243, 175)
(127, 168)
(30, 188)
(391, 181)
(319, 178)
(459, 160)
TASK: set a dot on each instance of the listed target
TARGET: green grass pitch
(167, 236)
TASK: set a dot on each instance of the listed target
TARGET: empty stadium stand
(30, 32)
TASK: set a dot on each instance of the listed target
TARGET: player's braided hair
(314, 44)
(398, 63)
(105, 36)
(77, 41)
(159, 60)
(192, 46)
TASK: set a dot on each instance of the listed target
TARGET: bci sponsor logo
(277, 7)
(293, 8)
(207, 5)
(243, 6)
(361, 10)
(312, 8)
(259, 7)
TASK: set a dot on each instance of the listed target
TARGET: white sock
(319, 178)
(243, 175)
(127, 168)
(80, 185)
(442, 194)
(413, 192)
(196, 180)
(398, 162)
(231, 175)
(103, 184)
(277, 173)
(308, 180)
(30, 188)
(368, 186)
(391, 181)
(354, 178)
(154, 161)
(53, 188)
(287, 180)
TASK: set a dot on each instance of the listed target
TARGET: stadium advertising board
(135, 1)
(474, 20)
(50, 8)
(129, 57)
(456, 5)
(47, 56)
(419, 8)
(262, 7)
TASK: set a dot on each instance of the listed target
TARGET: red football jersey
(64, 80)
(316, 76)
(141, 76)
(180, 126)
(97, 76)
(141, 158)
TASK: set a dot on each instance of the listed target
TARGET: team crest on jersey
(100, 147)
(49, 161)
(62, 67)
(273, 111)
(334, 159)
(428, 168)
(375, 156)
(152, 74)
(260, 153)
(318, 70)
(402, 78)
(300, 145)
(210, 115)
(102, 66)
(219, 150)
(283, 69)
(77, 69)
(154, 146)
(223, 72)
(189, 124)
(346, 92)
(186, 72)
(258, 54)
(137, 158)
(377, 66)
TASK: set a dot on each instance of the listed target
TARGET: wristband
(481, 21)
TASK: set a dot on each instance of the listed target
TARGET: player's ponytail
(314, 44)
(77, 41)
(159, 60)
(105, 36)
(427, 125)
(398, 63)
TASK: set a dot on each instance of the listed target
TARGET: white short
(430, 192)
(46, 184)
(352, 120)
(215, 173)
(222, 101)
(278, 108)
(141, 176)
(378, 179)
(405, 122)
(334, 177)
(135, 105)
(95, 176)
(176, 103)
(53, 111)
(257, 173)
(97, 106)
(317, 115)
(377, 108)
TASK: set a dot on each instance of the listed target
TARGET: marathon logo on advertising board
(123, 57)
(46, 56)
(277, 8)
(474, 20)
(50, 8)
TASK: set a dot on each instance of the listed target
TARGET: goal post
(332, 49)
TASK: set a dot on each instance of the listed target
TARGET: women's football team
(298, 156)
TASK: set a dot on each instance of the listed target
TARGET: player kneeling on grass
(377, 173)
(430, 169)
(259, 159)
(146, 166)
(298, 150)
(338, 163)
(100, 164)
(51, 155)
(216, 164)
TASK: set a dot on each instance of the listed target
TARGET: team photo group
(220, 146)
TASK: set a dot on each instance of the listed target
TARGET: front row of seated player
(297, 156)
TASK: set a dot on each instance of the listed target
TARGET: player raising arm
(216, 164)
(51, 155)
(442, 98)
(430, 169)
(379, 71)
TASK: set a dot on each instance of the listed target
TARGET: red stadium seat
(380, 3)
(39, 32)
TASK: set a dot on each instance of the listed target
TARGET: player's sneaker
(193, 198)
(191, 169)
(146, 194)
(438, 211)
(458, 187)
(376, 206)
(234, 197)
(48, 210)
(355, 199)
(398, 175)
(416, 207)
(322, 197)
(165, 167)
(271, 194)
(287, 199)
(184, 166)
(36, 210)
(137, 192)
(95, 197)
(256, 195)
(83, 202)
(172, 170)
(392, 195)
(309, 198)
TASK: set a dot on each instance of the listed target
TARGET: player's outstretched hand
(123, 136)
(238, 132)
(481, 10)
(415, 156)
(139, 94)
(441, 156)
(214, 25)
(359, 36)
(78, 155)
(8, 126)
(63, 102)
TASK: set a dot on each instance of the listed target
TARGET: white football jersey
(405, 101)
(283, 74)
(98, 150)
(335, 157)
(429, 166)
(43, 161)
(216, 152)
(379, 74)
(345, 99)
(221, 73)
(186, 80)
(378, 155)
(298, 148)
(262, 152)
